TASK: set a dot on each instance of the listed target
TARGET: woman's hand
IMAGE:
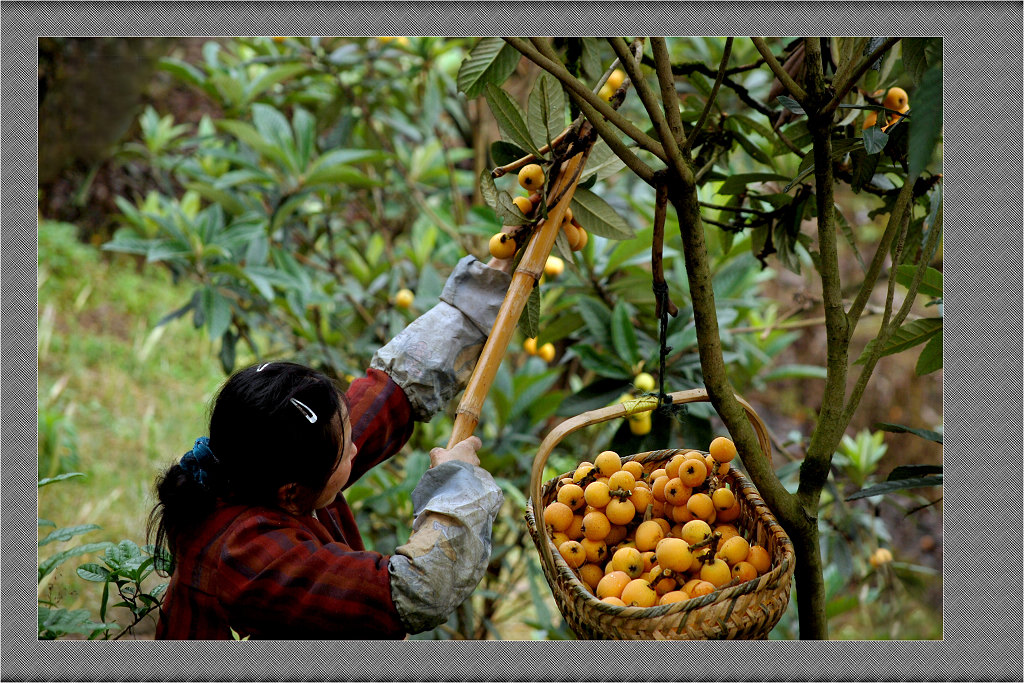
(464, 450)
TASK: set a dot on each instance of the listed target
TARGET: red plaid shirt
(269, 574)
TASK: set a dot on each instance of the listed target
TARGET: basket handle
(592, 417)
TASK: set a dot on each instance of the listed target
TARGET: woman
(261, 538)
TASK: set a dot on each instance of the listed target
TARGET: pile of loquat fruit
(644, 538)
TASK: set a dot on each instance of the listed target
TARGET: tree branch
(792, 86)
(669, 97)
(542, 55)
(814, 471)
(891, 229)
(650, 102)
(888, 328)
(844, 86)
(711, 98)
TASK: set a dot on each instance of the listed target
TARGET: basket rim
(780, 574)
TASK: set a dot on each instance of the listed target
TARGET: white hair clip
(306, 412)
(262, 366)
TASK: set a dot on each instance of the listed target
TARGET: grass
(124, 398)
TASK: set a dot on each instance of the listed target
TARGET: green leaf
(510, 118)
(51, 563)
(182, 70)
(847, 230)
(529, 321)
(503, 153)
(245, 133)
(341, 174)
(598, 217)
(913, 333)
(910, 335)
(930, 359)
(604, 364)
(274, 128)
(624, 335)
(931, 283)
(271, 77)
(602, 163)
(58, 622)
(216, 311)
(67, 533)
(217, 196)
(864, 166)
(899, 485)
(491, 61)
(926, 123)
(919, 54)
(875, 140)
(500, 201)
(93, 572)
(912, 471)
(60, 477)
(796, 371)
(304, 126)
(545, 115)
(737, 184)
(790, 104)
(923, 433)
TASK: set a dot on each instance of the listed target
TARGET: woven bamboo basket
(736, 611)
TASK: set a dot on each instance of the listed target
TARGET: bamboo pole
(530, 268)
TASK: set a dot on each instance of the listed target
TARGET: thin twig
(648, 99)
(844, 87)
(596, 118)
(541, 54)
(669, 96)
(792, 86)
(711, 98)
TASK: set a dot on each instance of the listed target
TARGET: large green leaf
(930, 359)
(926, 122)
(898, 485)
(624, 335)
(270, 78)
(598, 217)
(247, 134)
(510, 118)
(931, 283)
(67, 533)
(491, 61)
(545, 116)
(274, 128)
(910, 335)
(529, 320)
(60, 477)
(605, 364)
(919, 54)
(923, 433)
(500, 201)
(51, 563)
(601, 163)
(216, 311)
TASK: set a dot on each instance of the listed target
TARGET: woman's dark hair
(271, 424)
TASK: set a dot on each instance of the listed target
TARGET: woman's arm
(433, 358)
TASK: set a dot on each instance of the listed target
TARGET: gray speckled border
(983, 372)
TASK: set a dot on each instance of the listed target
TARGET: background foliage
(321, 176)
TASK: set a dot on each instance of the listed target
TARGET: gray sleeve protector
(433, 358)
(455, 505)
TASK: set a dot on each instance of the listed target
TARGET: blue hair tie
(198, 461)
